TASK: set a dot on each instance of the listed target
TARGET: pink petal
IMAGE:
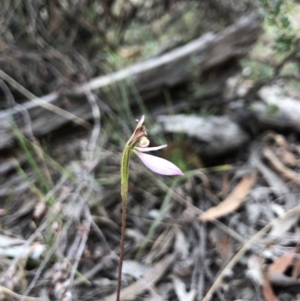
(150, 149)
(159, 165)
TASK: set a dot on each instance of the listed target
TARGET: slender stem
(122, 243)
(124, 191)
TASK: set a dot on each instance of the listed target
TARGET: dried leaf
(296, 268)
(289, 158)
(275, 182)
(233, 201)
(225, 247)
(225, 186)
(283, 262)
(279, 166)
(222, 242)
(267, 289)
(282, 280)
(296, 263)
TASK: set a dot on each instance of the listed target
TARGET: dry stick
(43, 103)
(9, 292)
(243, 250)
(211, 277)
(39, 271)
(44, 262)
(92, 98)
(27, 243)
(201, 257)
(279, 166)
(100, 235)
(84, 237)
(198, 271)
(86, 225)
(28, 127)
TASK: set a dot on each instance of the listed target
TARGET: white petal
(150, 149)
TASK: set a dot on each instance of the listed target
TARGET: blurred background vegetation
(51, 45)
(59, 192)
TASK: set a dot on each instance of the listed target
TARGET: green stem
(124, 192)
(125, 172)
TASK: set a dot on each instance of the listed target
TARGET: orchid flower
(156, 164)
(138, 143)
